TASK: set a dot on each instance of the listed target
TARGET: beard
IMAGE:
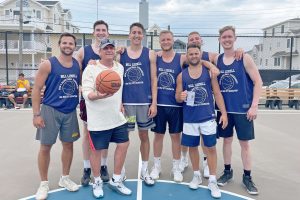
(66, 53)
(194, 63)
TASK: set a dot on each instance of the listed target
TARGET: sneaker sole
(223, 184)
(117, 191)
(100, 197)
(148, 184)
(60, 185)
(249, 192)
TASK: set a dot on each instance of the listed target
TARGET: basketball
(108, 81)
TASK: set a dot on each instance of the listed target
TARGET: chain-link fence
(276, 57)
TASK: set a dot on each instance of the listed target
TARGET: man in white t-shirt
(106, 122)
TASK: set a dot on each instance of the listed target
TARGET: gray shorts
(57, 122)
(138, 114)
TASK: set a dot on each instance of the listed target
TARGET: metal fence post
(291, 60)
(6, 56)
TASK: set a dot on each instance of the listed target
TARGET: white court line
(139, 191)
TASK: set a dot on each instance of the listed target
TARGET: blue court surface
(162, 190)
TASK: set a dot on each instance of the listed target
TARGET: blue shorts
(192, 132)
(170, 115)
(243, 127)
(100, 139)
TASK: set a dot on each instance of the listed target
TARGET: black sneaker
(104, 173)
(227, 176)
(86, 178)
(251, 188)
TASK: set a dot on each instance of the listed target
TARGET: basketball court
(275, 153)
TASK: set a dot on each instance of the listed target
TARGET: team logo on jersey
(227, 82)
(134, 73)
(200, 95)
(165, 80)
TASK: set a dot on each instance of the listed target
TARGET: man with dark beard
(57, 114)
(197, 91)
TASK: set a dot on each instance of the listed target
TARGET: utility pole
(97, 10)
(21, 36)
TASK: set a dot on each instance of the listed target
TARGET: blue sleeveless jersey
(204, 56)
(89, 54)
(137, 79)
(203, 108)
(167, 76)
(61, 91)
(236, 86)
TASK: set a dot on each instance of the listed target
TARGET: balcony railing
(14, 20)
(32, 46)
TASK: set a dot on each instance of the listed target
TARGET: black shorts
(82, 108)
(19, 94)
(172, 116)
(100, 139)
(243, 127)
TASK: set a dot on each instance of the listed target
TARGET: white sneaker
(155, 172)
(119, 187)
(177, 175)
(184, 163)
(205, 169)
(98, 189)
(214, 189)
(123, 177)
(42, 192)
(147, 178)
(194, 184)
(67, 183)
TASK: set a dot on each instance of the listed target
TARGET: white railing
(27, 45)
(14, 20)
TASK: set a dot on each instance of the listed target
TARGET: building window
(276, 61)
(282, 28)
(155, 32)
(26, 36)
(38, 14)
(260, 62)
(67, 25)
(266, 62)
(273, 31)
(288, 44)
(7, 13)
(265, 33)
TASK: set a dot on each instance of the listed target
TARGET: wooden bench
(19, 100)
(275, 97)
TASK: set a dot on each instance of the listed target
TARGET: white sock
(176, 164)
(86, 164)
(198, 173)
(116, 177)
(98, 179)
(212, 178)
(184, 154)
(144, 166)
(103, 161)
(123, 171)
(66, 176)
(157, 161)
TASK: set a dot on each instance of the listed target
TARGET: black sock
(228, 167)
(247, 172)
(204, 158)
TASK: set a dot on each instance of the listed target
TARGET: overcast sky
(205, 16)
